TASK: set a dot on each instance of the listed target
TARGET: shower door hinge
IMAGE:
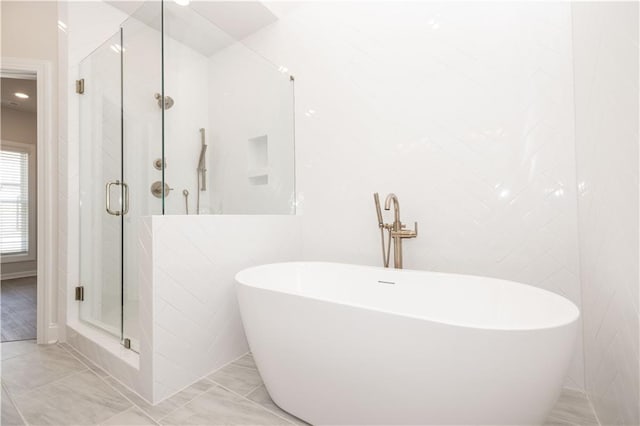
(80, 293)
(80, 86)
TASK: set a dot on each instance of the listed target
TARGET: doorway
(18, 206)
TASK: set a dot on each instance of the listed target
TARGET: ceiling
(10, 85)
(205, 26)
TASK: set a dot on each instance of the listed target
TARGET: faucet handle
(405, 233)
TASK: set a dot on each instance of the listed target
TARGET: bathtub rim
(575, 317)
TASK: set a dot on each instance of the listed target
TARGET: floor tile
(36, 368)
(218, 406)
(553, 421)
(238, 379)
(246, 361)
(50, 386)
(80, 399)
(21, 347)
(10, 416)
(132, 417)
(261, 396)
(90, 365)
(167, 406)
(573, 408)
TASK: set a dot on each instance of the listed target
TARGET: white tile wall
(605, 39)
(196, 321)
(249, 98)
(465, 110)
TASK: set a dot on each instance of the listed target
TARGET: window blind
(14, 202)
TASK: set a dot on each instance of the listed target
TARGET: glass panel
(142, 143)
(100, 163)
(229, 135)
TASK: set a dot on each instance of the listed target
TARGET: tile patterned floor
(55, 385)
(18, 307)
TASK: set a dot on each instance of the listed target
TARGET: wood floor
(18, 309)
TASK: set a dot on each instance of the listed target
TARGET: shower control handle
(158, 190)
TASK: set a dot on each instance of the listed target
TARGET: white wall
(196, 320)
(236, 96)
(186, 81)
(250, 104)
(605, 39)
(464, 110)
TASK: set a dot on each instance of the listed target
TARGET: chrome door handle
(108, 198)
(125, 201)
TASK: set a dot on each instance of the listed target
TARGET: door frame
(47, 208)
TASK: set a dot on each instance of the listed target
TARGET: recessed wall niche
(258, 160)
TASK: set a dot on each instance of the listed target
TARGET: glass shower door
(120, 142)
(103, 197)
(142, 146)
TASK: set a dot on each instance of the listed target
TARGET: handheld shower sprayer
(385, 251)
(202, 169)
(376, 198)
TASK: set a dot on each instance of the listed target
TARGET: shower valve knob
(158, 164)
(157, 190)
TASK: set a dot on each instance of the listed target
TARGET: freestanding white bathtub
(345, 344)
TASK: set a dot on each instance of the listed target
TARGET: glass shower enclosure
(117, 129)
(176, 116)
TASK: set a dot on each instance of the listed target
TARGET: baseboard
(21, 274)
(51, 336)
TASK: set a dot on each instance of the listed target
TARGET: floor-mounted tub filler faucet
(396, 230)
